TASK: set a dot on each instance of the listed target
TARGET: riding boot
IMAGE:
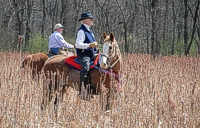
(83, 79)
(92, 90)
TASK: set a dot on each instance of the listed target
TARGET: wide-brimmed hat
(58, 26)
(86, 15)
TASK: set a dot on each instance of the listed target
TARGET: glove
(93, 45)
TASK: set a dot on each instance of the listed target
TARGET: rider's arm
(80, 39)
(62, 41)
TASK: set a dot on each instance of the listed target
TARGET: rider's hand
(93, 45)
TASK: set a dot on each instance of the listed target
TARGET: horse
(110, 62)
(36, 61)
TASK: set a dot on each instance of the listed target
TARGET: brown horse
(36, 61)
(111, 59)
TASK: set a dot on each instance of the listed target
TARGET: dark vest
(88, 39)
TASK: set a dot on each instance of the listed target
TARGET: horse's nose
(103, 65)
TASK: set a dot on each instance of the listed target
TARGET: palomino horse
(56, 69)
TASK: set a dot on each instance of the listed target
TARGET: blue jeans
(84, 62)
(85, 74)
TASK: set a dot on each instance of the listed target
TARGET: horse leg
(61, 91)
(104, 101)
(65, 91)
(107, 102)
(58, 91)
(46, 96)
(110, 99)
(104, 98)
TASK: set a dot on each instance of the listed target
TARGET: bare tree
(194, 27)
(125, 18)
(153, 30)
(43, 17)
(146, 26)
(185, 26)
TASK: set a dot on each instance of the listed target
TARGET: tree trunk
(157, 21)
(145, 24)
(28, 29)
(43, 17)
(174, 28)
(125, 36)
(185, 27)
(198, 42)
(19, 8)
(153, 30)
(124, 26)
(194, 28)
(54, 16)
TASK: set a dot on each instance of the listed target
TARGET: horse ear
(104, 35)
(112, 37)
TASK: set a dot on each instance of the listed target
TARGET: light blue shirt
(56, 40)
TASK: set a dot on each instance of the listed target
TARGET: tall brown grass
(161, 92)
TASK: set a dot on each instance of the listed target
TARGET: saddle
(59, 51)
(74, 63)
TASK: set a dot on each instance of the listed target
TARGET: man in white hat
(57, 43)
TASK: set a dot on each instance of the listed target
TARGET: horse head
(111, 56)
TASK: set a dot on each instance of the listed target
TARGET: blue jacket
(88, 39)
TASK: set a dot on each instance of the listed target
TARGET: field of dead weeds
(162, 92)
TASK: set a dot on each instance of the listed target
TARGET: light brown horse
(111, 59)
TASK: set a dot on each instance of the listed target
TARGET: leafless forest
(164, 27)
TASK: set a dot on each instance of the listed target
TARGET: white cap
(58, 26)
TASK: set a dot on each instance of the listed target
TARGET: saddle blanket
(74, 63)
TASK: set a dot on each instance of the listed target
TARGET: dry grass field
(162, 92)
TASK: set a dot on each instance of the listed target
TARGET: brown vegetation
(145, 101)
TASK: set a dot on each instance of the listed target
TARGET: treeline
(164, 27)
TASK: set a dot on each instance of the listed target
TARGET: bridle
(112, 55)
(108, 60)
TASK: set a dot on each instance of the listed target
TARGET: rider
(57, 43)
(85, 48)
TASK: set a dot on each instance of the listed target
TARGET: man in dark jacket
(85, 48)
